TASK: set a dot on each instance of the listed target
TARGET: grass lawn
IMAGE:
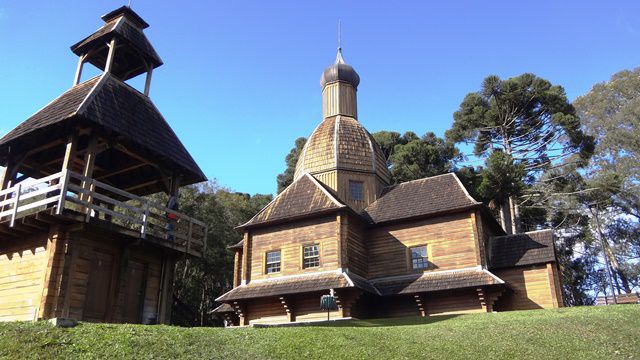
(574, 333)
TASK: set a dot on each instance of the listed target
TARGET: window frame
(361, 190)
(267, 262)
(422, 259)
(304, 267)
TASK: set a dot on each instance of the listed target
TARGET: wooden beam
(288, 308)
(138, 186)
(70, 152)
(112, 49)
(147, 83)
(121, 171)
(421, 304)
(89, 162)
(76, 79)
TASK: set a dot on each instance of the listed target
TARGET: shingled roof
(126, 26)
(436, 281)
(305, 196)
(118, 108)
(427, 196)
(529, 248)
(289, 285)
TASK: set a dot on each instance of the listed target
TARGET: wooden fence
(68, 190)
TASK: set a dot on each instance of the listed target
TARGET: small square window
(419, 257)
(355, 190)
(311, 256)
(273, 262)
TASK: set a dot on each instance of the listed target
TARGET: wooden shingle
(436, 281)
(427, 196)
(529, 248)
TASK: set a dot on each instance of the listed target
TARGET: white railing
(96, 200)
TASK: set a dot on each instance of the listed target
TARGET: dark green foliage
(606, 332)
(422, 157)
(198, 281)
(525, 116)
(410, 157)
(286, 178)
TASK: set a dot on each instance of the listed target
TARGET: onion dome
(340, 71)
(342, 143)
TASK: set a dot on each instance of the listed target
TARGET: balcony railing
(70, 193)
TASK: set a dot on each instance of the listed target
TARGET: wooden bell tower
(72, 199)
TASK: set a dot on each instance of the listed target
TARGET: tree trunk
(505, 217)
(515, 214)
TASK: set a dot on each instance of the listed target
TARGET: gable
(305, 196)
(427, 196)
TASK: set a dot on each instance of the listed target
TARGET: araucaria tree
(531, 122)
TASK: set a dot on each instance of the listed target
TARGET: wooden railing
(96, 200)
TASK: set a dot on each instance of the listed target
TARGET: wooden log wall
(450, 244)
(23, 264)
(455, 302)
(534, 287)
(357, 254)
(290, 239)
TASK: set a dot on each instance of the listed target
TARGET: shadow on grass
(385, 322)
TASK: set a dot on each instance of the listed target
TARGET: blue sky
(241, 78)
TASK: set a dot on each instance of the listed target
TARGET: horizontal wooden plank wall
(531, 288)
(356, 248)
(289, 239)
(450, 241)
(265, 311)
(22, 271)
(308, 309)
(455, 302)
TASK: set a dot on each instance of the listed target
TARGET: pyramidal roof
(305, 196)
(117, 108)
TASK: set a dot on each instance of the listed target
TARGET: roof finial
(129, 4)
(339, 33)
(339, 59)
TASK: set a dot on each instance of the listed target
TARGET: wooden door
(99, 287)
(135, 282)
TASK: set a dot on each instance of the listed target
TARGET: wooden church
(420, 248)
(78, 237)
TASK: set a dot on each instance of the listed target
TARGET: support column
(89, 162)
(237, 268)
(147, 83)
(166, 291)
(112, 50)
(245, 258)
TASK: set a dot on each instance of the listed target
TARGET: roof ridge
(91, 94)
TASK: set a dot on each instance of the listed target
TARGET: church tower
(78, 236)
(340, 152)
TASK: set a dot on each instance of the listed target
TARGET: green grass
(574, 333)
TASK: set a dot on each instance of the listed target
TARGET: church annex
(420, 248)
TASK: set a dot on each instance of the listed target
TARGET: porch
(68, 197)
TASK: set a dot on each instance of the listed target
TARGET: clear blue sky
(241, 78)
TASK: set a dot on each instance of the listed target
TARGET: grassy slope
(577, 333)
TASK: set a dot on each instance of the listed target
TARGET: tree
(286, 178)
(611, 113)
(199, 281)
(410, 157)
(530, 121)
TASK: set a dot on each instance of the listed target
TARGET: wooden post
(166, 295)
(147, 83)
(6, 174)
(76, 79)
(112, 50)
(145, 219)
(16, 201)
(245, 258)
(70, 152)
(64, 181)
